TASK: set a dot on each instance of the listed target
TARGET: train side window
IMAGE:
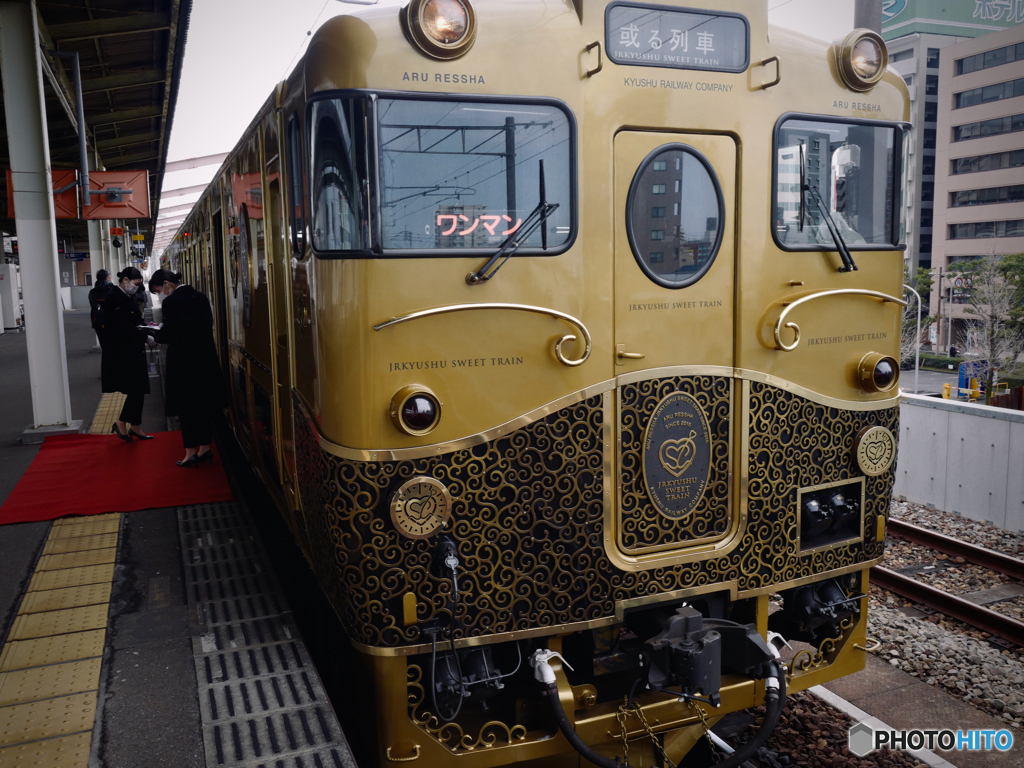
(681, 250)
(297, 212)
(846, 173)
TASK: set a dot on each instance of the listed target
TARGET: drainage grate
(261, 700)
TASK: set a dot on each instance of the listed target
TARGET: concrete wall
(962, 458)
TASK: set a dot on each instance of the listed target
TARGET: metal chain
(620, 715)
(707, 731)
(654, 739)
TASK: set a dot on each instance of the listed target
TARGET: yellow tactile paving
(77, 559)
(47, 719)
(72, 577)
(70, 527)
(28, 625)
(39, 683)
(106, 413)
(75, 646)
(80, 543)
(50, 665)
(70, 597)
(65, 752)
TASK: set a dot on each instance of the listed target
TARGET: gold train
(563, 332)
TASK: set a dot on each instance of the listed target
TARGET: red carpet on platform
(93, 474)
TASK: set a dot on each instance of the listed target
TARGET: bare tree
(992, 301)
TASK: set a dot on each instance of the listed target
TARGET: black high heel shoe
(137, 436)
(127, 437)
(189, 462)
(203, 458)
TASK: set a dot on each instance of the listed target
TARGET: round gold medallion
(875, 448)
(420, 506)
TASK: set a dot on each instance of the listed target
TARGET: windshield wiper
(513, 242)
(844, 252)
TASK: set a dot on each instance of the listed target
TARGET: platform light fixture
(862, 59)
(442, 29)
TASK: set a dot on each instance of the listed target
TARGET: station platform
(153, 638)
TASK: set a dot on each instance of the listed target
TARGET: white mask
(131, 289)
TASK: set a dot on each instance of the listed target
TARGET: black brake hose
(774, 702)
(774, 699)
(551, 691)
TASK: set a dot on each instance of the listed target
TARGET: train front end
(597, 312)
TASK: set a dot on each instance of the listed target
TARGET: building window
(657, 234)
(924, 244)
(988, 59)
(657, 257)
(931, 112)
(928, 165)
(927, 191)
(994, 92)
(929, 138)
(901, 55)
(678, 182)
(994, 162)
(993, 127)
(982, 229)
(658, 213)
(926, 217)
(658, 165)
(1010, 194)
(675, 209)
(931, 85)
(933, 58)
(657, 189)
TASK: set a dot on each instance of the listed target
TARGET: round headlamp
(878, 372)
(862, 59)
(415, 411)
(442, 29)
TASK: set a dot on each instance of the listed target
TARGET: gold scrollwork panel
(527, 516)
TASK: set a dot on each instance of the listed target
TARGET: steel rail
(981, 618)
(987, 558)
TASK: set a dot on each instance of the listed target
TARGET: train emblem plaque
(677, 455)
(875, 448)
(420, 506)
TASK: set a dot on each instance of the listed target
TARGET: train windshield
(458, 175)
(447, 175)
(839, 171)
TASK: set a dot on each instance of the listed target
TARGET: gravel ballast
(941, 651)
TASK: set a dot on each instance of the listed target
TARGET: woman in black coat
(124, 367)
(192, 374)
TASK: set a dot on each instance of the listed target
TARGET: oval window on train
(675, 216)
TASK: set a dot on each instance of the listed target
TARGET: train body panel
(676, 394)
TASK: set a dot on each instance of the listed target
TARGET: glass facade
(1009, 194)
(997, 161)
(993, 127)
(994, 92)
(983, 229)
(989, 59)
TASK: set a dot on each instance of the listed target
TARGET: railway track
(966, 611)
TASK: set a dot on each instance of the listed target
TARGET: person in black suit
(97, 302)
(124, 368)
(192, 374)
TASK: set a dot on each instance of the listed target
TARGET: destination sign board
(659, 36)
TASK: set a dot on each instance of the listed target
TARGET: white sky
(234, 58)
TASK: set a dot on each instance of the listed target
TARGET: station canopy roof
(130, 54)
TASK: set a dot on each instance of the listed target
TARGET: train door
(674, 270)
(277, 255)
(674, 250)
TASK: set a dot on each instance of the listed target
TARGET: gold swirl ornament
(559, 354)
(791, 305)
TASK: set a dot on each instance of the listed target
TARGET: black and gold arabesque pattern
(642, 527)
(528, 519)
